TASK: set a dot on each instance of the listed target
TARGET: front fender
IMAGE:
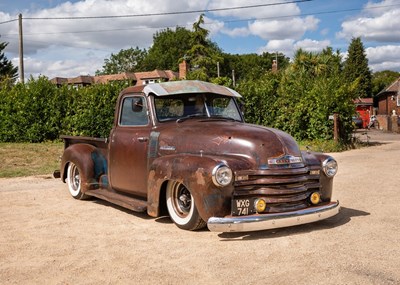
(314, 160)
(90, 161)
(195, 172)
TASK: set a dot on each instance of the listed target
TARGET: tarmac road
(47, 237)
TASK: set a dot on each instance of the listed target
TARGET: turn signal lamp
(315, 198)
(260, 205)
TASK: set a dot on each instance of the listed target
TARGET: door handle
(143, 139)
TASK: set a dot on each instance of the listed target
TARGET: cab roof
(181, 87)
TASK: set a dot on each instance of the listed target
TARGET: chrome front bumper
(272, 221)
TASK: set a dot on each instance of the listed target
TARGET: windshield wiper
(222, 117)
(191, 116)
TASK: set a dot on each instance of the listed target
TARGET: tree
(382, 79)
(7, 70)
(312, 89)
(129, 60)
(203, 55)
(356, 68)
(169, 47)
(251, 66)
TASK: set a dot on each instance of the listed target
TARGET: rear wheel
(182, 208)
(74, 181)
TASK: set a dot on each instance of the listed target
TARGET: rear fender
(90, 161)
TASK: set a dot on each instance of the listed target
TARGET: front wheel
(74, 181)
(182, 208)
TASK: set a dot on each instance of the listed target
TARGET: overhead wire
(168, 13)
(206, 23)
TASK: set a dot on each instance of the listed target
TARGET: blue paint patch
(100, 164)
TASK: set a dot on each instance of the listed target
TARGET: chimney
(274, 66)
(183, 69)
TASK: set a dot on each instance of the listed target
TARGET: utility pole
(217, 69)
(21, 51)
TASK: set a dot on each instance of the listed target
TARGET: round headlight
(222, 175)
(330, 167)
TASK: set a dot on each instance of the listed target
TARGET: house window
(150, 81)
(398, 100)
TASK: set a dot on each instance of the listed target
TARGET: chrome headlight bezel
(330, 167)
(222, 175)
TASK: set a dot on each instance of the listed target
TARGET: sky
(72, 38)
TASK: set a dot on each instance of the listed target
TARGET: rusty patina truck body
(183, 148)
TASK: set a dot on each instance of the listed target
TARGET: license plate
(242, 207)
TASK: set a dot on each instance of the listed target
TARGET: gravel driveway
(47, 237)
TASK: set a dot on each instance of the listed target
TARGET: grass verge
(26, 159)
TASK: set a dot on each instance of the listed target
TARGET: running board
(118, 199)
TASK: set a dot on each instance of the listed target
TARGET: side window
(134, 112)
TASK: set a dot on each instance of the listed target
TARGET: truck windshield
(184, 106)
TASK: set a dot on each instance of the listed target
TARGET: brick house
(136, 78)
(389, 107)
(143, 78)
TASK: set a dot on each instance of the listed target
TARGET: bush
(39, 111)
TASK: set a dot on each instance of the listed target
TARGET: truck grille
(282, 189)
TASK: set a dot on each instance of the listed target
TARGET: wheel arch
(195, 172)
(90, 161)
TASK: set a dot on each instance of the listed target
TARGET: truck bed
(101, 143)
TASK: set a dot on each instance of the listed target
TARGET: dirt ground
(47, 237)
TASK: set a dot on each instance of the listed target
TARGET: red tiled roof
(363, 101)
(114, 77)
(59, 80)
(394, 87)
(83, 79)
(167, 74)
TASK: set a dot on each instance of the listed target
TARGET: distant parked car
(358, 122)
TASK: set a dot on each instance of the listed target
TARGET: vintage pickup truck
(182, 148)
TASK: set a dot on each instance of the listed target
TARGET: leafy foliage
(169, 47)
(259, 98)
(203, 55)
(129, 60)
(311, 90)
(382, 79)
(8, 73)
(356, 68)
(251, 66)
(39, 111)
(300, 99)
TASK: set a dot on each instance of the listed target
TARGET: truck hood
(261, 146)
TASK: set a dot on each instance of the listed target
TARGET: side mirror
(137, 105)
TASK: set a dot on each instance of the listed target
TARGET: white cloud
(312, 45)
(380, 25)
(383, 57)
(289, 46)
(293, 28)
(236, 32)
(257, 12)
(75, 38)
(285, 46)
(114, 33)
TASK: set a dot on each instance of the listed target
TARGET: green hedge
(40, 111)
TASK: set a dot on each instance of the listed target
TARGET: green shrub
(39, 111)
